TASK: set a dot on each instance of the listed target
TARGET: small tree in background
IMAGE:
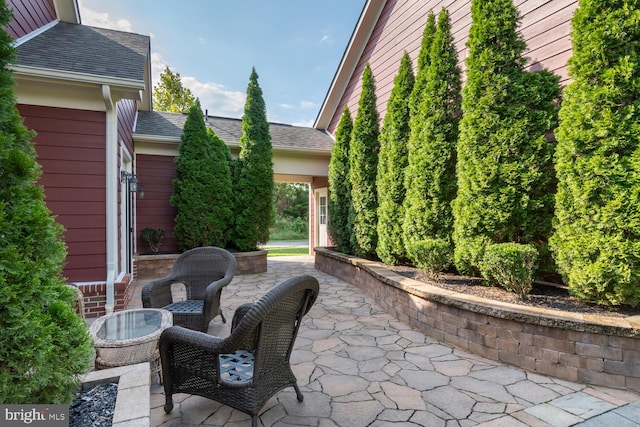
(597, 236)
(392, 162)
(340, 229)
(170, 95)
(44, 344)
(504, 168)
(430, 177)
(202, 187)
(363, 167)
(253, 174)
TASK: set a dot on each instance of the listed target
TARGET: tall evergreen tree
(392, 162)
(363, 167)
(505, 179)
(253, 174)
(340, 229)
(202, 187)
(597, 235)
(170, 95)
(423, 63)
(431, 176)
(44, 344)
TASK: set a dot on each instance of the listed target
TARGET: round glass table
(130, 336)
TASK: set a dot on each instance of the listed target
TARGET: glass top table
(129, 336)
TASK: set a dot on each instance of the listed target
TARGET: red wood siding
(545, 24)
(71, 150)
(29, 15)
(126, 109)
(156, 174)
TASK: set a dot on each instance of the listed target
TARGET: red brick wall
(95, 296)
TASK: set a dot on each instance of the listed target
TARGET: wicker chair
(204, 272)
(248, 367)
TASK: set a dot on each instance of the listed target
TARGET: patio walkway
(358, 366)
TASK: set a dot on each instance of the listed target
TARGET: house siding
(545, 25)
(70, 148)
(127, 110)
(156, 173)
(29, 15)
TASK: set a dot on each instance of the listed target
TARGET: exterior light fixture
(132, 182)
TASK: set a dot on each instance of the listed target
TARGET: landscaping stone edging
(585, 348)
(155, 266)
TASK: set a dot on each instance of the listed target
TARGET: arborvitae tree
(170, 95)
(253, 179)
(363, 167)
(44, 344)
(340, 229)
(202, 187)
(430, 177)
(597, 235)
(423, 63)
(505, 178)
(392, 162)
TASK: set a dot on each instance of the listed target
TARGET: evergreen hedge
(339, 227)
(253, 173)
(392, 162)
(504, 168)
(202, 187)
(430, 177)
(44, 344)
(597, 234)
(363, 166)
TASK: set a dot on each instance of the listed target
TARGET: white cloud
(304, 123)
(326, 39)
(307, 105)
(103, 20)
(213, 96)
(286, 106)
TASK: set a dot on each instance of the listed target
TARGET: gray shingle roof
(89, 50)
(169, 125)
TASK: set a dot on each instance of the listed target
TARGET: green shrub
(505, 148)
(44, 344)
(392, 162)
(202, 186)
(510, 265)
(596, 242)
(153, 237)
(339, 225)
(363, 167)
(430, 177)
(431, 255)
(253, 173)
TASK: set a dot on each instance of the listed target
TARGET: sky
(295, 46)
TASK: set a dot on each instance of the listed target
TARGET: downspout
(111, 196)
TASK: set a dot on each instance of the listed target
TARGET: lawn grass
(293, 250)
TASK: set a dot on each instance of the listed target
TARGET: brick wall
(587, 349)
(95, 296)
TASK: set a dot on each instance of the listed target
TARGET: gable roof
(87, 50)
(168, 127)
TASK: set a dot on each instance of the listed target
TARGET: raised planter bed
(154, 266)
(585, 348)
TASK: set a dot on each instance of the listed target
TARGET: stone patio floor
(358, 366)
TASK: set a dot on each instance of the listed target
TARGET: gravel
(94, 407)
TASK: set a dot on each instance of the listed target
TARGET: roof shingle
(169, 125)
(88, 50)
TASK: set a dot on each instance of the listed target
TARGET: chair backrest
(274, 321)
(198, 267)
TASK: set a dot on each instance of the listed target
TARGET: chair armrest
(157, 293)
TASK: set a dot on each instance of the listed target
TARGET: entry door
(321, 216)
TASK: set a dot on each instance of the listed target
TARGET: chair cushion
(237, 367)
(187, 306)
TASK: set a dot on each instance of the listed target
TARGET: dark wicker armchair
(249, 366)
(204, 272)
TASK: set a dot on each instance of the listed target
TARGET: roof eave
(67, 11)
(366, 24)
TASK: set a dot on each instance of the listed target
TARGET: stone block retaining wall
(583, 348)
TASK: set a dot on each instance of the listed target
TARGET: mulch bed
(543, 295)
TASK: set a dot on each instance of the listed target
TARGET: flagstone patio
(358, 366)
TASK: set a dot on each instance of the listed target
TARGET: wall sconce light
(132, 183)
